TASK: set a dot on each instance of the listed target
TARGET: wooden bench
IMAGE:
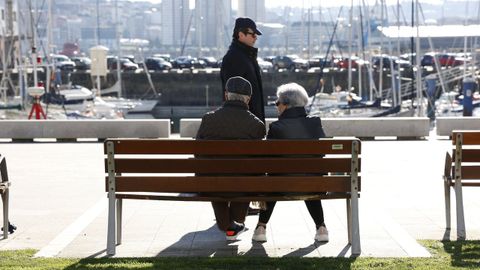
(462, 169)
(4, 186)
(195, 170)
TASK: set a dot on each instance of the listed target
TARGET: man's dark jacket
(294, 123)
(241, 60)
(232, 121)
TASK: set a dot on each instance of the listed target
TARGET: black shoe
(252, 211)
(235, 230)
(11, 228)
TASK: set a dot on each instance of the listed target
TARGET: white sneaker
(322, 234)
(260, 234)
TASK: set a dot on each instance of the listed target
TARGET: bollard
(469, 86)
(431, 87)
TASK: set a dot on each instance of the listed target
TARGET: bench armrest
(447, 174)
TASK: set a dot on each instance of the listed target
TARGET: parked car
(264, 65)
(209, 61)
(402, 63)
(459, 60)
(81, 62)
(387, 60)
(183, 62)
(428, 59)
(269, 58)
(125, 64)
(165, 56)
(290, 62)
(344, 62)
(445, 60)
(129, 57)
(409, 57)
(62, 62)
(453, 60)
(318, 61)
(157, 63)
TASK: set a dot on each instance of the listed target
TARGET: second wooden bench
(462, 169)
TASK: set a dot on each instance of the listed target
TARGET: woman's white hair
(292, 95)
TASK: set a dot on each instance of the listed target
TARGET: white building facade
(254, 9)
(213, 23)
(175, 22)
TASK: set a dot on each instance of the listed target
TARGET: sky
(325, 3)
(330, 3)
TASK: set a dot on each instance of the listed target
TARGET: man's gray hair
(292, 95)
(235, 96)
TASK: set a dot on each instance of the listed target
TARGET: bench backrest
(466, 156)
(157, 165)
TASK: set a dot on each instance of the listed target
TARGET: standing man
(232, 121)
(241, 60)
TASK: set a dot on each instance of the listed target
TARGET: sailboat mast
(350, 37)
(419, 70)
(119, 51)
(49, 43)
(393, 71)
(399, 53)
(21, 63)
(475, 39)
(7, 50)
(369, 46)
(465, 41)
(380, 80)
(309, 31)
(34, 44)
(320, 47)
(302, 29)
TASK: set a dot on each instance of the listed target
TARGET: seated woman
(293, 123)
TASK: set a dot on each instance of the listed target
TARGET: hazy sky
(330, 3)
(326, 3)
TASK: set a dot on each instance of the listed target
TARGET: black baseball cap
(246, 23)
(239, 85)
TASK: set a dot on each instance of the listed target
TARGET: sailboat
(347, 103)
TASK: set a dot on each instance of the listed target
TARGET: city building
(176, 23)
(254, 9)
(213, 23)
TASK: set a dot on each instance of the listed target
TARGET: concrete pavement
(59, 206)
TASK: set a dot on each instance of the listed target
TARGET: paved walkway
(59, 206)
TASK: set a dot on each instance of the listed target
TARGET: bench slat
(270, 147)
(233, 184)
(470, 172)
(248, 198)
(232, 165)
(469, 137)
(466, 184)
(468, 155)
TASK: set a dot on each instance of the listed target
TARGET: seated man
(293, 123)
(232, 121)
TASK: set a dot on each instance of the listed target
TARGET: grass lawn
(446, 255)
